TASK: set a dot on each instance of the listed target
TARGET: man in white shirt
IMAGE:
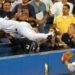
(23, 28)
(58, 6)
(49, 3)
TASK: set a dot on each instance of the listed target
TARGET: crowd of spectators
(44, 16)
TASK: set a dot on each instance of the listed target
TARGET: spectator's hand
(40, 21)
(66, 57)
(65, 46)
(31, 19)
(17, 15)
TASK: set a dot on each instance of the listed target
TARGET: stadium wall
(34, 64)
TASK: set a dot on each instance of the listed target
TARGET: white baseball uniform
(23, 28)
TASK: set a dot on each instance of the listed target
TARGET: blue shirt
(39, 8)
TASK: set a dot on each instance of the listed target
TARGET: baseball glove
(66, 57)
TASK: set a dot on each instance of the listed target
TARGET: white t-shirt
(57, 8)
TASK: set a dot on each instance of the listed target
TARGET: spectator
(24, 11)
(40, 8)
(25, 5)
(57, 7)
(63, 21)
(49, 3)
(6, 13)
(74, 7)
(24, 16)
(69, 37)
(1, 4)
